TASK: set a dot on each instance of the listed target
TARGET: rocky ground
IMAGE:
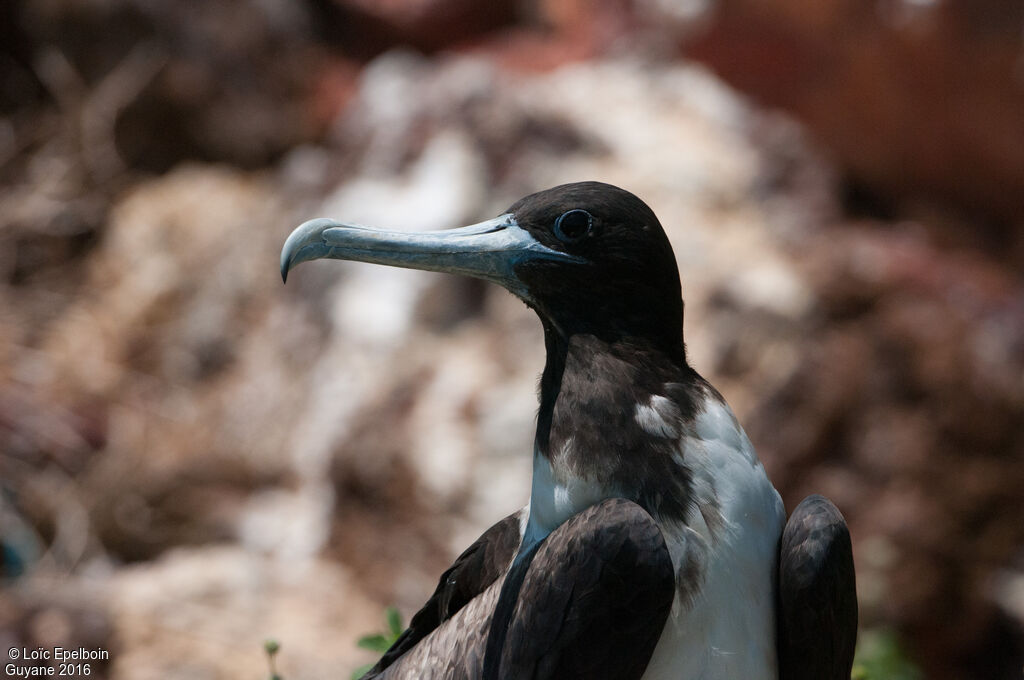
(194, 457)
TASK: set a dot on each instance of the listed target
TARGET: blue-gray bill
(490, 250)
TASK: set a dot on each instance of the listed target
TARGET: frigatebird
(654, 545)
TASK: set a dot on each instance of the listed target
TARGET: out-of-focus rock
(209, 611)
(153, 84)
(92, 94)
(175, 282)
(235, 87)
(914, 98)
(203, 611)
(428, 25)
(904, 407)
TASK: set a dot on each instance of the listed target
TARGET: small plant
(380, 642)
(879, 657)
(272, 647)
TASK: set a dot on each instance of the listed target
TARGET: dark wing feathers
(480, 565)
(817, 615)
(592, 604)
(595, 599)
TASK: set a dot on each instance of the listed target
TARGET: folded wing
(817, 615)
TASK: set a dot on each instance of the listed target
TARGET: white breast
(728, 629)
(552, 501)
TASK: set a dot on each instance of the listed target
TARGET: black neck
(609, 367)
(557, 348)
(587, 426)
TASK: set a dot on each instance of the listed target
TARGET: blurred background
(194, 458)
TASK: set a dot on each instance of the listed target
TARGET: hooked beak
(490, 250)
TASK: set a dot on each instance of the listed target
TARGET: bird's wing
(817, 615)
(592, 604)
(593, 601)
(479, 566)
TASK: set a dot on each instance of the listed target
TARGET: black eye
(573, 225)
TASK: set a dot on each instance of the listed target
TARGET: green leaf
(881, 657)
(380, 642)
(361, 671)
(375, 643)
(271, 647)
(394, 621)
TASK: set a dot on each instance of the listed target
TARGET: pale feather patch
(659, 418)
(557, 495)
(524, 517)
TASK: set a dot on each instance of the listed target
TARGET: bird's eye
(573, 225)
